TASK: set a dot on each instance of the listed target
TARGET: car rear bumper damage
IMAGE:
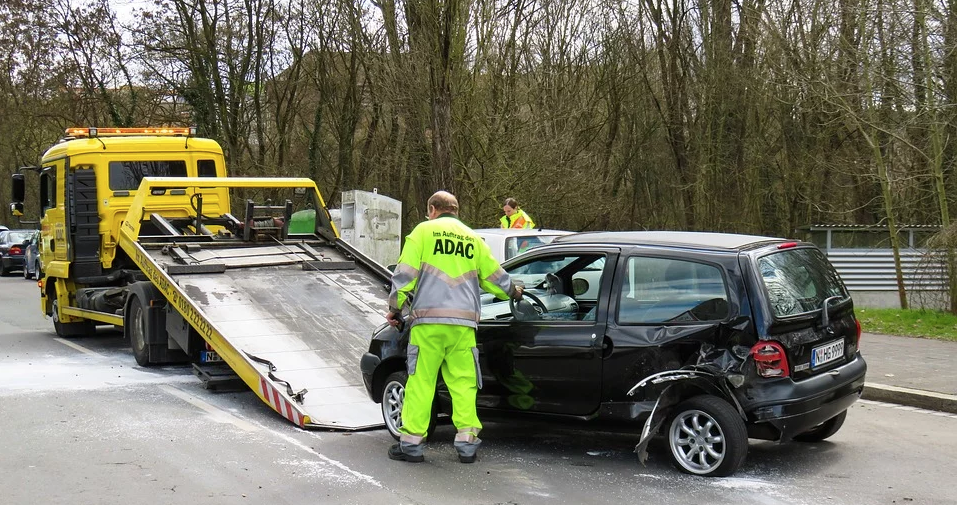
(789, 408)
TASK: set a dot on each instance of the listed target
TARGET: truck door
(551, 362)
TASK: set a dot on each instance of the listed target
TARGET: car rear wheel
(707, 437)
(823, 430)
(393, 397)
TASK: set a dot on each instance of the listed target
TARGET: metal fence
(873, 269)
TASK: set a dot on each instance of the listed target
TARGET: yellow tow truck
(138, 232)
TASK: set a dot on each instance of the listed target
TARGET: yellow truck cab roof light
(92, 131)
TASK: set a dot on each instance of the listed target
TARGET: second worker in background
(515, 217)
(444, 264)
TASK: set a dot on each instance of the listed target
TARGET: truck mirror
(19, 190)
(16, 208)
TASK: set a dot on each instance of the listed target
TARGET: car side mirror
(19, 189)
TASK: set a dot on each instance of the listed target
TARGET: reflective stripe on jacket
(445, 264)
(519, 219)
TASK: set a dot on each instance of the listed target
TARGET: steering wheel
(527, 311)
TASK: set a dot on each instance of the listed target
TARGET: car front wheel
(393, 397)
(707, 437)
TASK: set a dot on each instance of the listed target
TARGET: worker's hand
(519, 290)
(392, 319)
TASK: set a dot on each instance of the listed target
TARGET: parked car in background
(12, 245)
(508, 243)
(31, 258)
(707, 339)
(3, 228)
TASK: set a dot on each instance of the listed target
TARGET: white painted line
(78, 347)
(358, 475)
(218, 415)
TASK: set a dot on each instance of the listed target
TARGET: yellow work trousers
(450, 348)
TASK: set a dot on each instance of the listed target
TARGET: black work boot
(467, 444)
(397, 453)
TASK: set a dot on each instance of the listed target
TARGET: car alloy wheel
(393, 395)
(707, 437)
(697, 441)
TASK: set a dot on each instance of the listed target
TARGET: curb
(911, 397)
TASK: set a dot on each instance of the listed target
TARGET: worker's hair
(511, 202)
(443, 201)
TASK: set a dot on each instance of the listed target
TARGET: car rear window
(18, 237)
(798, 281)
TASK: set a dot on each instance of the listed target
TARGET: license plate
(827, 353)
(210, 357)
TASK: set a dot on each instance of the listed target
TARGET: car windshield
(17, 236)
(519, 244)
(799, 280)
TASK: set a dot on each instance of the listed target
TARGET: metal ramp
(291, 319)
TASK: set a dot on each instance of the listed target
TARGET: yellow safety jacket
(518, 219)
(445, 264)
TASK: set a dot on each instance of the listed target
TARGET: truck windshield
(126, 175)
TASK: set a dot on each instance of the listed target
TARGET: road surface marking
(78, 347)
(217, 414)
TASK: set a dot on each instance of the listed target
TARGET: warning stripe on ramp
(280, 403)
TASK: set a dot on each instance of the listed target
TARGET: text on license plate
(827, 353)
(210, 357)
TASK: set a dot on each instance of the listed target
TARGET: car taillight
(16, 250)
(770, 360)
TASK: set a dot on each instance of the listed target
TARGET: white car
(506, 243)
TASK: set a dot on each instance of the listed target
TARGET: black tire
(67, 330)
(393, 396)
(26, 272)
(823, 430)
(135, 328)
(3, 271)
(37, 273)
(707, 437)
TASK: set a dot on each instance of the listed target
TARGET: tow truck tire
(707, 437)
(145, 324)
(823, 430)
(393, 397)
(67, 330)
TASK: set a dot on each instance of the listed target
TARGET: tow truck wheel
(65, 330)
(823, 430)
(393, 397)
(136, 331)
(707, 437)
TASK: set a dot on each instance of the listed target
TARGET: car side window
(567, 284)
(667, 290)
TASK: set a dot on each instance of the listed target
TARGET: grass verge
(912, 323)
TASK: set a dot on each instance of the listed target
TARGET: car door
(552, 363)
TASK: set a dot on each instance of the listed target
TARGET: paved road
(82, 424)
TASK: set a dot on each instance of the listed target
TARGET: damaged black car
(706, 339)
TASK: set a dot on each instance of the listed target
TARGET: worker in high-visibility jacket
(444, 264)
(515, 217)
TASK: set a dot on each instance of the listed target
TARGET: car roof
(510, 232)
(688, 239)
